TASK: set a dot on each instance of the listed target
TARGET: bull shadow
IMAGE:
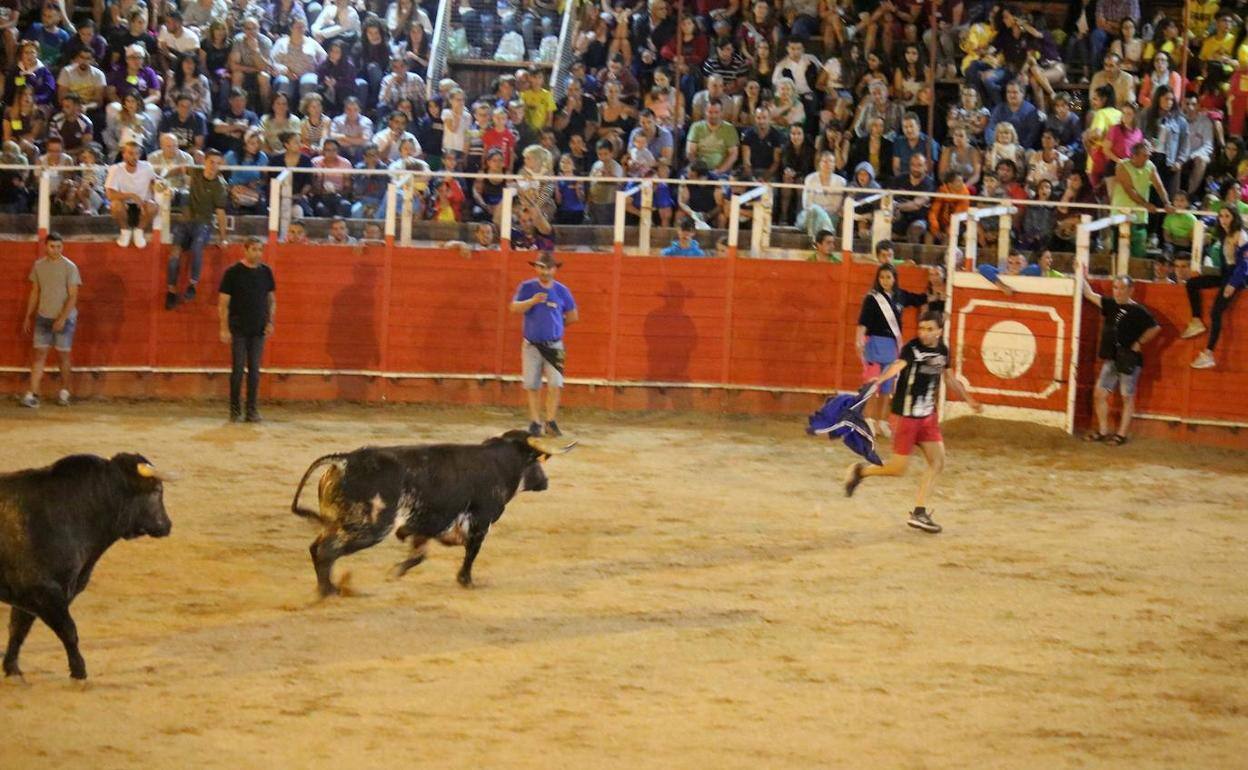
(352, 341)
(671, 338)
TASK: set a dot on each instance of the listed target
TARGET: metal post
(1005, 223)
(617, 239)
(504, 218)
(392, 196)
(1123, 265)
(45, 206)
(405, 219)
(1198, 246)
(647, 215)
(760, 227)
(275, 208)
(882, 221)
(955, 227)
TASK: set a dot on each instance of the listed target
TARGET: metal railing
(564, 53)
(439, 47)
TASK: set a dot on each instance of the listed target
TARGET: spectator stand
(881, 219)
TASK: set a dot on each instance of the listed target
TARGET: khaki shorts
(533, 366)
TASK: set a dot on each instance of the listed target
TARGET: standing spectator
(52, 315)
(1132, 179)
(1232, 277)
(878, 336)
(569, 194)
(1020, 113)
(206, 200)
(247, 307)
(1127, 328)
(548, 308)
(129, 189)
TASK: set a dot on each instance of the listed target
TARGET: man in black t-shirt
(761, 145)
(1127, 328)
(923, 363)
(246, 308)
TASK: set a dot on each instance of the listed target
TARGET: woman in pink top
(1121, 138)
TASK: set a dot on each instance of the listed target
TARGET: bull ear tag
(146, 470)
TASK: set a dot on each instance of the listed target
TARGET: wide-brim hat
(546, 259)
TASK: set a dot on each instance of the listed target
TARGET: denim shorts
(45, 337)
(1111, 379)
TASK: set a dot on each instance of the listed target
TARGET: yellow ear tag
(146, 470)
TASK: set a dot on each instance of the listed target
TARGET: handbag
(242, 195)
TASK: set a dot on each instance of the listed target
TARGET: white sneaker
(883, 429)
(123, 240)
(30, 400)
(1195, 328)
(139, 239)
(1204, 361)
(62, 397)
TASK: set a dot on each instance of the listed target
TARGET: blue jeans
(1100, 43)
(989, 81)
(192, 237)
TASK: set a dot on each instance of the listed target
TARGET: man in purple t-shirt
(548, 308)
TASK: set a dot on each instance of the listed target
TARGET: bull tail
(319, 462)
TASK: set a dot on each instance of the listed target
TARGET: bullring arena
(693, 590)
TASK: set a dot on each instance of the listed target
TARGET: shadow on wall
(104, 315)
(352, 342)
(670, 341)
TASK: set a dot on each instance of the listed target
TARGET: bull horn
(548, 447)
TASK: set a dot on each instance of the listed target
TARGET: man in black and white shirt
(923, 363)
(1127, 328)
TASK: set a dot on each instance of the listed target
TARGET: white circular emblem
(1008, 349)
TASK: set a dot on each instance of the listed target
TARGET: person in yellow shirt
(1201, 15)
(1219, 47)
(539, 103)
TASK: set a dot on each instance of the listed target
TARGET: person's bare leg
(934, 453)
(36, 369)
(1128, 411)
(535, 405)
(895, 466)
(66, 369)
(552, 403)
(1100, 402)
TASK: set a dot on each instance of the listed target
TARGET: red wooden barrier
(747, 324)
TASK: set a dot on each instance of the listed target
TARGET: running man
(922, 364)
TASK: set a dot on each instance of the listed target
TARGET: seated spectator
(315, 126)
(487, 190)
(1231, 279)
(971, 115)
(715, 93)
(822, 195)
(1218, 49)
(352, 130)
(132, 123)
(187, 126)
(728, 65)
(1177, 226)
(658, 138)
(134, 76)
(877, 105)
(943, 209)
(296, 233)
(91, 199)
(337, 22)
(214, 54)
(1115, 77)
(1005, 146)
(134, 31)
(292, 156)
(685, 244)
(448, 202)
(387, 141)
(296, 58)
(797, 161)
(1015, 265)
(910, 141)
(25, 123)
(74, 128)
(129, 187)
(570, 195)
(368, 191)
(339, 78)
(187, 79)
(401, 83)
(171, 163)
(1019, 113)
(276, 122)
(786, 108)
(698, 201)
(761, 146)
(961, 157)
(1160, 75)
(331, 192)
(84, 39)
(1048, 163)
(82, 79)
(825, 248)
(639, 162)
(176, 39)
(1035, 227)
(713, 141)
(339, 235)
(232, 124)
(910, 212)
(1065, 125)
(247, 188)
(602, 194)
(1200, 144)
(33, 75)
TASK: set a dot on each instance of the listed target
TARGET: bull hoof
(11, 669)
(79, 674)
(464, 580)
(328, 591)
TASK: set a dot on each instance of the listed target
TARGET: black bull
(451, 493)
(55, 524)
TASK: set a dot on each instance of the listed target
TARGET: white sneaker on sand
(1204, 361)
(62, 397)
(123, 240)
(140, 240)
(883, 429)
(30, 400)
(1195, 328)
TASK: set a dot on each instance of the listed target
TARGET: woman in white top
(337, 21)
(822, 197)
(786, 108)
(455, 122)
(1005, 146)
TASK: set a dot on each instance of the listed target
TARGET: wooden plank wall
(748, 322)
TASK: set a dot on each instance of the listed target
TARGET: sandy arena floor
(692, 592)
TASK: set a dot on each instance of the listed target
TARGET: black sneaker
(853, 477)
(189, 294)
(535, 429)
(171, 300)
(552, 429)
(253, 415)
(921, 520)
(236, 415)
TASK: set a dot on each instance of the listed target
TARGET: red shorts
(908, 431)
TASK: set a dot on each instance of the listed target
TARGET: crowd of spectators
(822, 93)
